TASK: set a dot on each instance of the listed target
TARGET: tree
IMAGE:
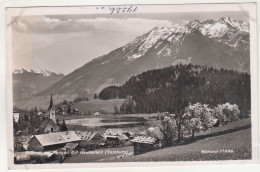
(69, 109)
(116, 109)
(63, 126)
(129, 105)
(35, 110)
(178, 111)
(26, 117)
(226, 113)
(198, 118)
(57, 121)
(65, 102)
(168, 129)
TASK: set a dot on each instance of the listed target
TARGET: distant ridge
(28, 82)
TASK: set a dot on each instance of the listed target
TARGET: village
(45, 138)
(51, 141)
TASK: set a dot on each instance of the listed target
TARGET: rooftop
(46, 122)
(143, 139)
(86, 135)
(57, 138)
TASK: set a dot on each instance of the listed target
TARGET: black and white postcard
(132, 84)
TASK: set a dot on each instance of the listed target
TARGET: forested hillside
(160, 90)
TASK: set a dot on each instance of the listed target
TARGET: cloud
(118, 24)
(50, 20)
(45, 24)
(21, 26)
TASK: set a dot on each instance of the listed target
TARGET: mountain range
(222, 44)
(28, 82)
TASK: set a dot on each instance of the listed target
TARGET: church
(49, 124)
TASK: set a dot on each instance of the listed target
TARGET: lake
(108, 122)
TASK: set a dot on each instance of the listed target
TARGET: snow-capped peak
(240, 25)
(222, 26)
(38, 71)
(142, 44)
(225, 30)
(17, 71)
(43, 72)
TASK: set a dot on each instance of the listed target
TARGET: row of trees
(28, 123)
(195, 118)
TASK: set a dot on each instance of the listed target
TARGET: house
(39, 113)
(129, 134)
(117, 140)
(52, 141)
(91, 140)
(72, 147)
(144, 144)
(48, 126)
(76, 111)
(96, 114)
(116, 137)
(16, 116)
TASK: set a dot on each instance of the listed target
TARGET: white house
(96, 114)
(16, 116)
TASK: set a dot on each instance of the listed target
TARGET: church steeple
(52, 110)
(51, 103)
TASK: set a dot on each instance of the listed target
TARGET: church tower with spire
(51, 110)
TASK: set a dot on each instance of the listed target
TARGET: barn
(116, 137)
(72, 147)
(144, 144)
(52, 141)
(91, 140)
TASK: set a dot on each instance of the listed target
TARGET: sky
(63, 43)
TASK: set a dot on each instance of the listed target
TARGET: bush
(39, 159)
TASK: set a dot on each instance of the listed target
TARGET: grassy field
(97, 105)
(238, 142)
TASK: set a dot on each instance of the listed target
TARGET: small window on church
(52, 130)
